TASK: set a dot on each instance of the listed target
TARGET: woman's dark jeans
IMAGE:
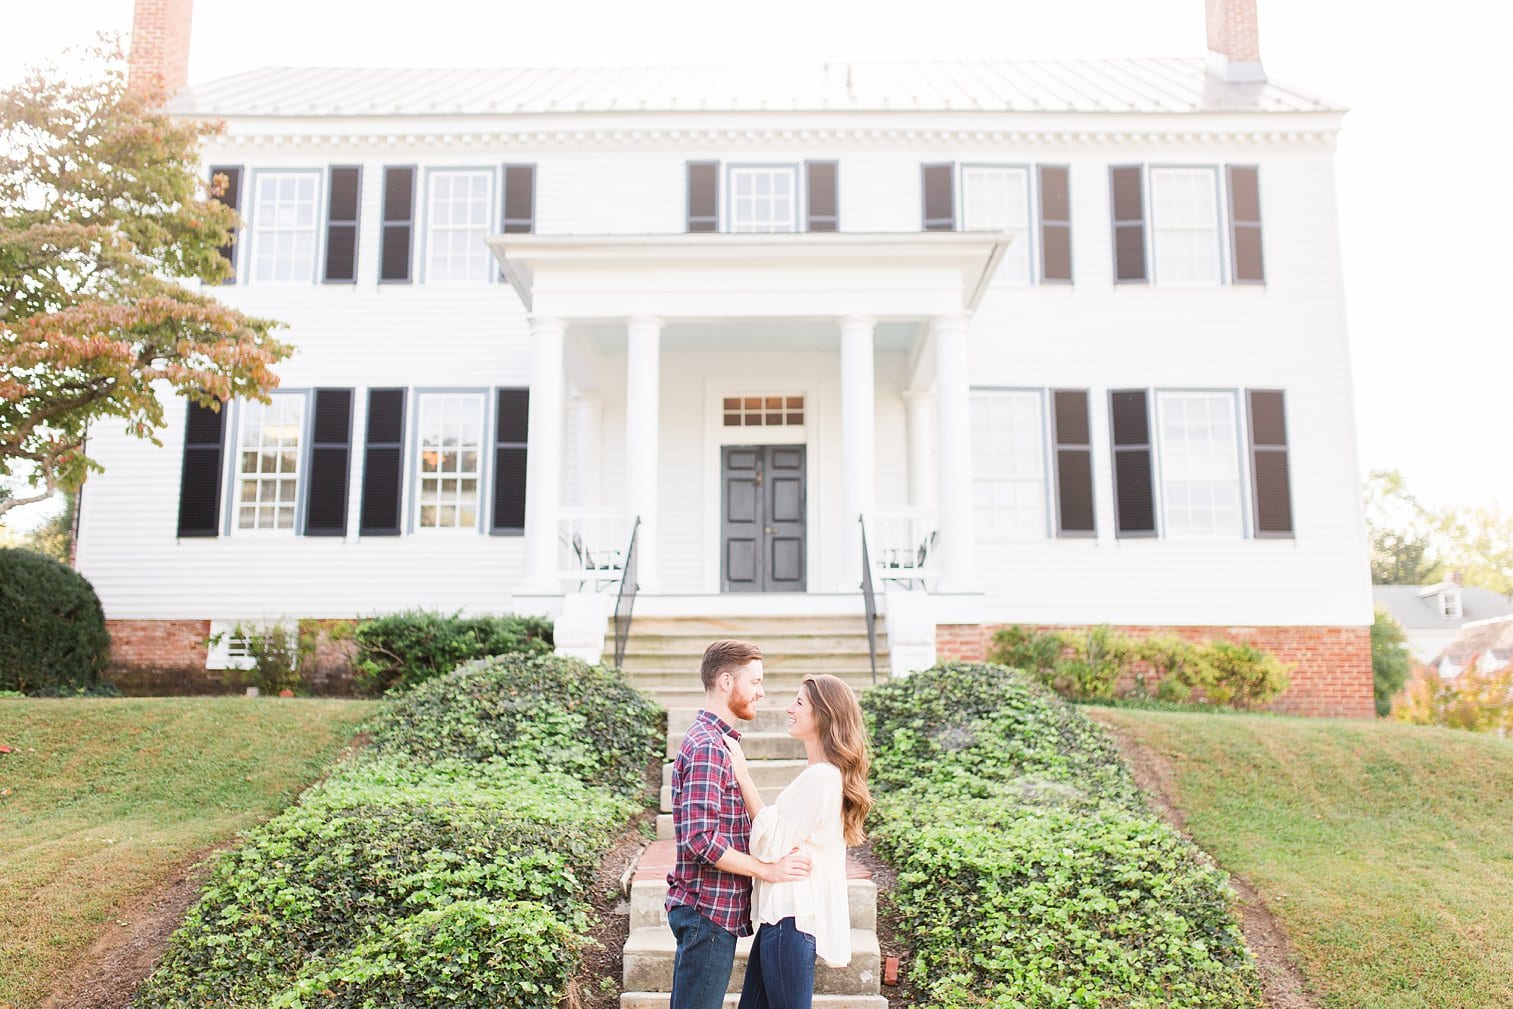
(701, 967)
(780, 973)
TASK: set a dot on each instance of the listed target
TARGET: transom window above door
(759, 411)
(764, 198)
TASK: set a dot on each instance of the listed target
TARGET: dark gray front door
(762, 518)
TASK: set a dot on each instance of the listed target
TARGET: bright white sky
(1426, 201)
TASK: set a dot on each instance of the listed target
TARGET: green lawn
(107, 797)
(1386, 850)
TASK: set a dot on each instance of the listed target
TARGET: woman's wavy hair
(844, 740)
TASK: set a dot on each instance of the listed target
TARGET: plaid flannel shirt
(709, 818)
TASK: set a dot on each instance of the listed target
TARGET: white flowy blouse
(807, 816)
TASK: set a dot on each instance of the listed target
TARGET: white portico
(614, 311)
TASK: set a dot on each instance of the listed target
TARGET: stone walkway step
(756, 746)
(649, 955)
(750, 628)
(661, 999)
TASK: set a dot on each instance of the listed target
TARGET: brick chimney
(160, 44)
(1234, 44)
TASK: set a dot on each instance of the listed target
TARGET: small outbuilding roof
(1490, 642)
(1155, 86)
(1417, 607)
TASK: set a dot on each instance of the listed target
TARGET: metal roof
(1415, 610)
(1102, 86)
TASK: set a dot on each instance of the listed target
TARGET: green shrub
(1030, 871)
(1237, 675)
(278, 653)
(428, 875)
(1390, 660)
(405, 649)
(546, 711)
(52, 629)
(1036, 653)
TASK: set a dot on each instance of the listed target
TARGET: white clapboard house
(1066, 340)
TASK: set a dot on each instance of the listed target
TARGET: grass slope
(1385, 849)
(108, 796)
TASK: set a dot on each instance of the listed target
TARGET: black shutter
(1272, 485)
(824, 212)
(383, 462)
(1127, 200)
(938, 196)
(341, 225)
(232, 197)
(703, 196)
(200, 482)
(1055, 225)
(398, 225)
(1134, 497)
(1074, 464)
(330, 464)
(1245, 224)
(519, 199)
(511, 427)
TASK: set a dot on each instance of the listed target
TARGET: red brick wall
(1331, 666)
(1232, 29)
(158, 657)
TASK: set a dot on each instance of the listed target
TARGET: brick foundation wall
(167, 657)
(1331, 666)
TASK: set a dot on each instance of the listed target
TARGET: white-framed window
(268, 461)
(1199, 453)
(1009, 463)
(1449, 604)
(754, 411)
(1185, 225)
(763, 198)
(285, 227)
(458, 212)
(997, 198)
(227, 649)
(449, 462)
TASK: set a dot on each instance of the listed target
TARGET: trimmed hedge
(403, 650)
(52, 629)
(428, 876)
(1030, 871)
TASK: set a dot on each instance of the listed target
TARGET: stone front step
(650, 672)
(660, 1000)
(796, 641)
(764, 773)
(769, 795)
(750, 628)
(780, 692)
(649, 955)
(756, 745)
(648, 898)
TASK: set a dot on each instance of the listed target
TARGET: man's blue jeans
(701, 967)
(780, 973)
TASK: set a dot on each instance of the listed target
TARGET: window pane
(998, 199)
(284, 217)
(269, 462)
(763, 198)
(451, 453)
(457, 223)
(1008, 463)
(1200, 464)
(1185, 217)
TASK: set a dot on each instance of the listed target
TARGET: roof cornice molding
(462, 139)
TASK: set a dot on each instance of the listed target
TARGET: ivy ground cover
(1031, 873)
(1382, 848)
(445, 865)
(102, 800)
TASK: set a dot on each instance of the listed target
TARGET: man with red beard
(709, 888)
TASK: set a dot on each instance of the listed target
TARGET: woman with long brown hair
(821, 814)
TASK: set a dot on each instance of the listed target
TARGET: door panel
(762, 527)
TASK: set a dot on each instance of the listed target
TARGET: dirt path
(1283, 984)
(126, 953)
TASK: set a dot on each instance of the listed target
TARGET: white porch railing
(904, 549)
(592, 546)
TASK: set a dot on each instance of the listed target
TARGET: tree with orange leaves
(107, 235)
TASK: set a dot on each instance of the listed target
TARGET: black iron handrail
(625, 602)
(869, 598)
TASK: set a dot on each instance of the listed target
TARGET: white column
(858, 421)
(958, 569)
(543, 460)
(920, 405)
(642, 402)
(588, 448)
